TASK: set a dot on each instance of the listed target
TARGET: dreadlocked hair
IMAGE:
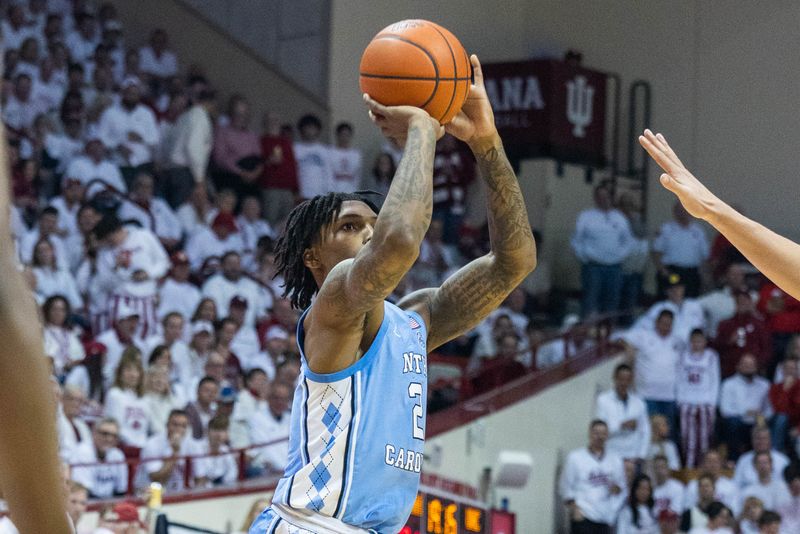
(303, 228)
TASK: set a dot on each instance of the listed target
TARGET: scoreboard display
(434, 513)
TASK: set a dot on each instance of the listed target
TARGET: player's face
(345, 236)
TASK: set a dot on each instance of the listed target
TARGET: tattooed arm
(349, 307)
(470, 294)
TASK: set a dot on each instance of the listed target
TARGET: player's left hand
(476, 118)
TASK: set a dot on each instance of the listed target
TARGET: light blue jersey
(357, 436)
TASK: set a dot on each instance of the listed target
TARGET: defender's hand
(476, 118)
(694, 196)
(394, 121)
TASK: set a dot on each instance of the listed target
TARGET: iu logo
(579, 105)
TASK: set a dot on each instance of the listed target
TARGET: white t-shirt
(85, 169)
(656, 363)
(745, 473)
(162, 66)
(63, 345)
(602, 237)
(167, 225)
(738, 396)
(115, 124)
(51, 282)
(158, 447)
(205, 244)
(314, 169)
(669, 495)
(774, 494)
(130, 411)
(142, 251)
(725, 491)
(698, 378)
(686, 317)
(264, 428)
(181, 297)
(624, 443)
(587, 480)
(222, 469)
(222, 290)
(346, 165)
(101, 480)
(647, 521)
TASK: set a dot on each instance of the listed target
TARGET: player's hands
(395, 121)
(476, 118)
(694, 196)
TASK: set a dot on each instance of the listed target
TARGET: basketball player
(30, 473)
(357, 430)
(774, 255)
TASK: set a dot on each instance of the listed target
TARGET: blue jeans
(669, 410)
(602, 285)
(779, 429)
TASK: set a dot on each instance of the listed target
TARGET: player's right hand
(395, 121)
(694, 196)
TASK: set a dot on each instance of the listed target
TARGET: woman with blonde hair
(751, 512)
(661, 445)
(160, 397)
(125, 400)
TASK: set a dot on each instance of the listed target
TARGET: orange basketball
(417, 63)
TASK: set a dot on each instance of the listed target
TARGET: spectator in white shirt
(221, 467)
(681, 247)
(197, 212)
(190, 149)
(77, 501)
(51, 279)
(602, 240)
(668, 493)
(661, 444)
(790, 510)
(656, 356)
(129, 265)
(638, 515)
(271, 426)
(60, 340)
(107, 476)
(251, 399)
(202, 409)
(721, 304)
(206, 248)
(697, 394)
(744, 400)
(14, 28)
(48, 90)
(171, 448)
(745, 473)
(129, 128)
(314, 168)
(157, 61)
(718, 517)
(593, 484)
(626, 416)
(68, 203)
(171, 338)
(72, 429)
(119, 337)
(125, 400)
(151, 212)
(752, 508)
(83, 41)
(768, 487)
(46, 228)
(65, 146)
(687, 312)
(252, 226)
(176, 293)
(724, 489)
(345, 160)
(95, 166)
(21, 108)
(160, 397)
(230, 282)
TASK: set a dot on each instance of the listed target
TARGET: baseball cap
(128, 513)
(179, 258)
(238, 301)
(226, 394)
(674, 279)
(225, 220)
(125, 311)
(276, 332)
(202, 326)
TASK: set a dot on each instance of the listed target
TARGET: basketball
(417, 63)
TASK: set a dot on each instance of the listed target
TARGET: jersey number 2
(415, 390)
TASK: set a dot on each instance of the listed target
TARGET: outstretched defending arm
(772, 254)
(479, 287)
(30, 475)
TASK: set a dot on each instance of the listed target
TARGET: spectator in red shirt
(782, 313)
(279, 179)
(782, 397)
(745, 332)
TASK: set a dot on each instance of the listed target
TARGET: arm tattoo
(357, 286)
(479, 287)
